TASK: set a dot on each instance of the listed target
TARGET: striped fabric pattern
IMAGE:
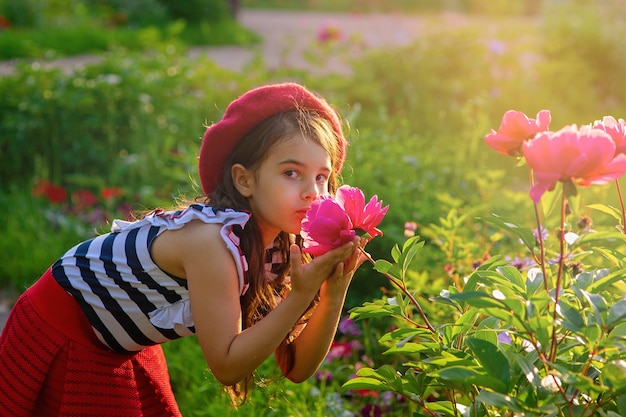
(119, 287)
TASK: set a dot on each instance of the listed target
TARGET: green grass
(68, 41)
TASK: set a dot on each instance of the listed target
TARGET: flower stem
(403, 288)
(621, 202)
(559, 275)
(542, 251)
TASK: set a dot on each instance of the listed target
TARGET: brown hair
(253, 149)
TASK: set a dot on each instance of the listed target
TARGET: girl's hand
(337, 284)
(308, 278)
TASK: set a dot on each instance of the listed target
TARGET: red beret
(249, 110)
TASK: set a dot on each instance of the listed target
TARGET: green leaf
(608, 280)
(491, 359)
(610, 210)
(364, 383)
(525, 234)
(572, 320)
(614, 374)
(527, 365)
(617, 312)
(386, 267)
(395, 253)
(598, 303)
(534, 281)
(465, 376)
(499, 400)
(410, 348)
(477, 299)
(404, 334)
(600, 238)
(621, 404)
(410, 249)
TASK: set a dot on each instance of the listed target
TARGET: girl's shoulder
(176, 219)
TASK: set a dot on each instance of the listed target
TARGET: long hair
(267, 288)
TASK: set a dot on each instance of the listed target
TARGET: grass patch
(69, 41)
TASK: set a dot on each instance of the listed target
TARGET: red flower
(4, 23)
(84, 198)
(110, 192)
(516, 128)
(334, 220)
(54, 194)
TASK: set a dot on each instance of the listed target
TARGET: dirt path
(289, 35)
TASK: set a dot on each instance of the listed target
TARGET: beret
(250, 109)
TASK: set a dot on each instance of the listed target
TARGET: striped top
(130, 302)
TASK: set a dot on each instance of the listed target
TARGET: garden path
(289, 35)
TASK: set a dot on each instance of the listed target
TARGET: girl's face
(285, 184)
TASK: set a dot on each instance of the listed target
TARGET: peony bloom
(364, 217)
(334, 220)
(326, 226)
(615, 128)
(582, 156)
(516, 128)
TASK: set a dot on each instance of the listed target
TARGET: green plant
(546, 338)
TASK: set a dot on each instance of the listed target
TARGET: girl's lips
(302, 212)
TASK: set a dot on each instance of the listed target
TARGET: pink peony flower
(365, 217)
(334, 220)
(326, 226)
(582, 156)
(615, 128)
(516, 128)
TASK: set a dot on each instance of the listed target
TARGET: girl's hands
(331, 271)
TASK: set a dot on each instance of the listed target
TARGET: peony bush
(539, 333)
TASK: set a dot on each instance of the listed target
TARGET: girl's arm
(202, 256)
(313, 343)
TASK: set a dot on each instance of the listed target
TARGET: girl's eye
(292, 173)
(322, 179)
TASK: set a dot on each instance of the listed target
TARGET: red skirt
(52, 364)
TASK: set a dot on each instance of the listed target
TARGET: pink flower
(340, 350)
(334, 220)
(516, 128)
(326, 226)
(329, 33)
(582, 156)
(365, 217)
(615, 128)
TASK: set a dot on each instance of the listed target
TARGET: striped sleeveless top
(130, 302)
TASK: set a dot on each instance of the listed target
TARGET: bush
(197, 11)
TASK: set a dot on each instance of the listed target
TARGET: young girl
(84, 340)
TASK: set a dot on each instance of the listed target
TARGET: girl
(85, 339)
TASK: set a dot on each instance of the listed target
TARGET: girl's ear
(243, 179)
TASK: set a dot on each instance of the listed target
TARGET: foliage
(134, 121)
(534, 338)
(55, 28)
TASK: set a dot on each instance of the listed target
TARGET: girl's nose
(311, 190)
